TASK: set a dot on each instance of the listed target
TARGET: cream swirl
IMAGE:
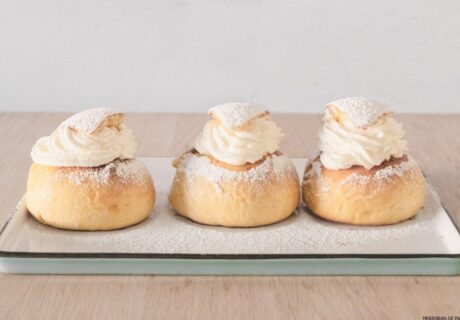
(237, 146)
(343, 146)
(69, 147)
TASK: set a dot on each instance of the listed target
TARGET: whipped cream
(254, 137)
(344, 145)
(68, 146)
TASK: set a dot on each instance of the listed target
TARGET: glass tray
(169, 244)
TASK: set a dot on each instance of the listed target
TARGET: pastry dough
(389, 193)
(214, 193)
(112, 196)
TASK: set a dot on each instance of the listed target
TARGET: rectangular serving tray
(166, 243)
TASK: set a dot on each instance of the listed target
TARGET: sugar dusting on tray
(165, 232)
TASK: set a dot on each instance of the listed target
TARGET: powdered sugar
(236, 114)
(313, 173)
(355, 179)
(315, 168)
(397, 170)
(89, 120)
(302, 233)
(125, 170)
(382, 174)
(193, 165)
(362, 112)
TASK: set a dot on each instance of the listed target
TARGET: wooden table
(434, 141)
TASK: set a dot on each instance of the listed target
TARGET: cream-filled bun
(363, 174)
(235, 175)
(84, 175)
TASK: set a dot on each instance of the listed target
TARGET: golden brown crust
(55, 196)
(112, 121)
(249, 122)
(241, 168)
(234, 203)
(386, 194)
(92, 121)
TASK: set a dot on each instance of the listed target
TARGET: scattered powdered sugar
(355, 178)
(125, 170)
(131, 169)
(302, 233)
(193, 165)
(313, 173)
(89, 120)
(236, 114)
(315, 168)
(382, 174)
(397, 170)
(361, 111)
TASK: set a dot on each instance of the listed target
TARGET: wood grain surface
(434, 141)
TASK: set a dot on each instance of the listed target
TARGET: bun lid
(237, 114)
(94, 120)
(358, 111)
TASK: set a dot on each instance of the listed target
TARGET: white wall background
(187, 55)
